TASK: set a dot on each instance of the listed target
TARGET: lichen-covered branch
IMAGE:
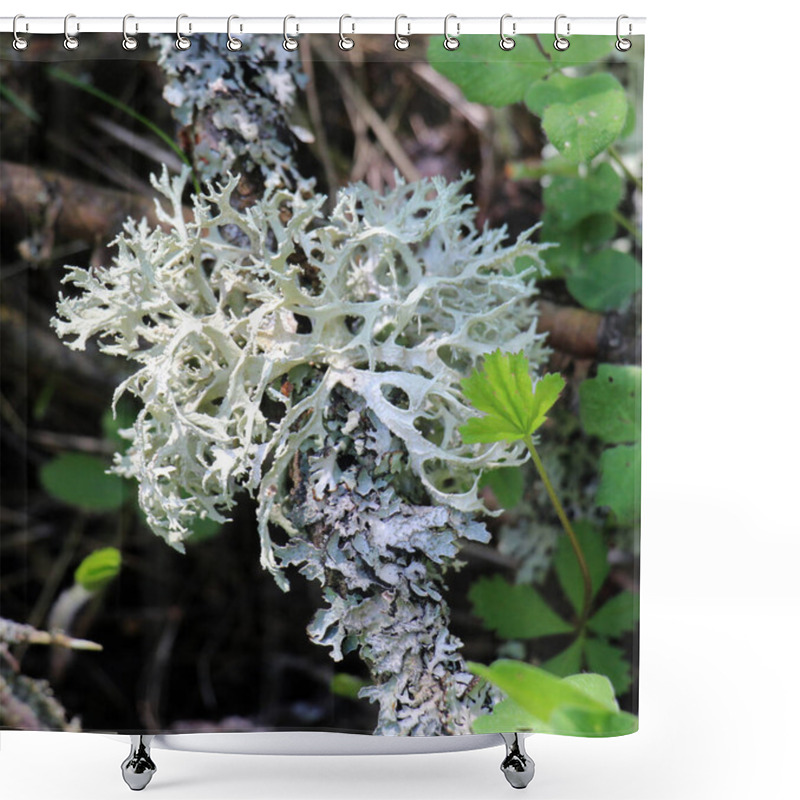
(380, 557)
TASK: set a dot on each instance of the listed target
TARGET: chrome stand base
(517, 766)
(138, 768)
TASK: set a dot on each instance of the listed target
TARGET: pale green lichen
(394, 297)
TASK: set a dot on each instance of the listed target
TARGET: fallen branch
(85, 211)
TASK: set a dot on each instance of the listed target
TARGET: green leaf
(346, 685)
(618, 615)
(571, 199)
(585, 127)
(505, 393)
(98, 569)
(573, 242)
(514, 612)
(621, 482)
(568, 661)
(507, 484)
(126, 417)
(568, 570)
(610, 661)
(579, 705)
(611, 403)
(81, 480)
(559, 89)
(577, 722)
(485, 73)
(605, 281)
(597, 686)
(535, 690)
(508, 716)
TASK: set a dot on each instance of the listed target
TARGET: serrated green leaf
(585, 128)
(568, 661)
(605, 281)
(621, 482)
(485, 73)
(81, 480)
(506, 483)
(503, 390)
(514, 611)
(567, 568)
(610, 661)
(611, 403)
(571, 199)
(616, 616)
(98, 569)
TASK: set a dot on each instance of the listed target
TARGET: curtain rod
(407, 25)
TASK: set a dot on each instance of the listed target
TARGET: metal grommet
(181, 42)
(70, 42)
(450, 42)
(19, 43)
(289, 43)
(233, 43)
(345, 42)
(128, 42)
(561, 44)
(623, 45)
(401, 42)
(506, 42)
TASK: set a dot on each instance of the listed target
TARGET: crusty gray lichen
(234, 108)
(381, 557)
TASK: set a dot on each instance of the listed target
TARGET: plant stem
(622, 220)
(562, 516)
(614, 153)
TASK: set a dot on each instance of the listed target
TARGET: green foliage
(577, 705)
(505, 393)
(567, 569)
(345, 685)
(621, 482)
(483, 71)
(520, 612)
(514, 612)
(570, 199)
(81, 480)
(507, 484)
(605, 281)
(611, 403)
(98, 569)
(611, 410)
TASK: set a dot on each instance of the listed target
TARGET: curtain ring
(128, 42)
(401, 42)
(70, 42)
(451, 42)
(623, 45)
(345, 42)
(289, 43)
(19, 42)
(506, 42)
(233, 43)
(181, 42)
(560, 43)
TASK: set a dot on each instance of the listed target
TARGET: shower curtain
(320, 385)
